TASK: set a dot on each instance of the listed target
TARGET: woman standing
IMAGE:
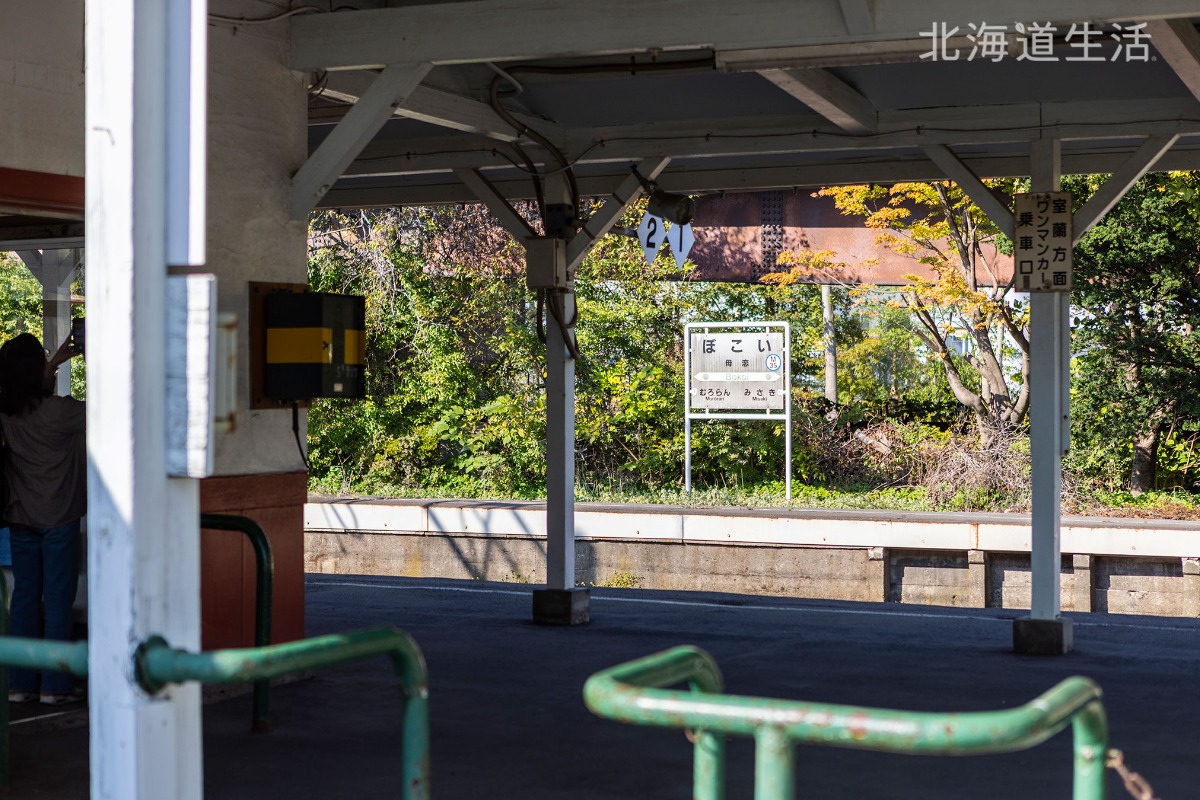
(47, 475)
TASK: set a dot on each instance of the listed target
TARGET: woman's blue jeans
(45, 564)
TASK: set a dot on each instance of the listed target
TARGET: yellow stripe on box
(300, 345)
(356, 347)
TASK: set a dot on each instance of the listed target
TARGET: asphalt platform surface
(509, 720)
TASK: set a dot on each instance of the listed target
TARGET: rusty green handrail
(39, 654)
(634, 693)
(158, 664)
(264, 575)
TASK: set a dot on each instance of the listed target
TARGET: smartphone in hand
(77, 335)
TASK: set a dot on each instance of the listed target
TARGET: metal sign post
(737, 370)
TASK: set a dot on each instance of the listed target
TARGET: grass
(621, 579)
(769, 496)
(1176, 504)
(1152, 505)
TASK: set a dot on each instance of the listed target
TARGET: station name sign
(738, 371)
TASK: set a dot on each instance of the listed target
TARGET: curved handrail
(264, 576)
(633, 693)
(158, 664)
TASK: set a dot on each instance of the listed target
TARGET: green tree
(889, 362)
(452, 375)
(630, 375)
(937, 225)
(455, 371)
(1136, 376)
(20, 299)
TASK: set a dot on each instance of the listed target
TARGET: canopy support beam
(364, 119)
(602, 221)
(828, 95)
(1120, 182)
(990, 202)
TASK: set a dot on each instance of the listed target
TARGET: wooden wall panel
(227, 577)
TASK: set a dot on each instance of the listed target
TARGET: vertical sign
(1042, 246)
(651, 235)
(681, 239)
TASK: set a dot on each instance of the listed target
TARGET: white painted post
(1048, 319)
(787, 388)
(54, 270)
(56, 308)
(1049, 339)
(143, 549)
(687, 409)
(560, 455)
(560, 435)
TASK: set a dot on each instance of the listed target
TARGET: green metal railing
(31, 654)
(634, 692)
(158, 665)
(264, 576)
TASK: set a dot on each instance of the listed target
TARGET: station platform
(508, 719)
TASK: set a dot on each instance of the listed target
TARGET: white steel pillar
(550, 267)
(560, 455)
(560, 602)
(1045, 632)
(145, 62)
(56, 311)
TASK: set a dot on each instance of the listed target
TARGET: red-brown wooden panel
(227, 575)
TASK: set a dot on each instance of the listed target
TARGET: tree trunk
(1145, 458)
(830, 345)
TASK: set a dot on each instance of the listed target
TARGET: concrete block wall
(805, 554)
(789, 571)
(931, 577)
(1140, 586)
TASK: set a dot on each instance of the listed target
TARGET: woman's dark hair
(23, 383)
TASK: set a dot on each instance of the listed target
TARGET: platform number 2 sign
(653, 233)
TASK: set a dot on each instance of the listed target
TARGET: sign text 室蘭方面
(1042, 239)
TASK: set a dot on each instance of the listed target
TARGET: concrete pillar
(257, 129)
(977, 579)
(878, 575)
(1081, 566)
(1191, 587)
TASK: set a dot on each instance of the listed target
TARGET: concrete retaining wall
(1131, 567)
